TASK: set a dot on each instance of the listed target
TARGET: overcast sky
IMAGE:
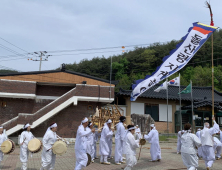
(55, 25)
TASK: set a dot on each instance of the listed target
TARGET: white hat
(136, 125)
(109, 121)
(85, 120)
(131, 128)
(53, 125)
(1, 127)
(27, 125)
(152, 125)
(183, 131)
(199, 129)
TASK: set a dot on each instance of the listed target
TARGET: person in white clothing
(80, 144)
(48, 157)
(25, 137)
(138, 132)
(96, 138)
(110, 144)
(217, 147)
(3, 137)
(119, 138)
(207, 143)
(189, 143)
(90, 142)
(220, 133)
(130, 145)
(153, 138)
(199, 148)
(104, 149)
(180, 133)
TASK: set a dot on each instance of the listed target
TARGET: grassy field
(165, 138)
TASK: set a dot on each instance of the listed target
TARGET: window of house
(219, 120)
(153, 110)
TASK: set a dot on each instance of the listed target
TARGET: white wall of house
(137, 108)
(163, 112)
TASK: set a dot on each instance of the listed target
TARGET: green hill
(136, 64)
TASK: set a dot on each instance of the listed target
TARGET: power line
(10, 50)
(90, 53)
(91, 49)
(13, 45)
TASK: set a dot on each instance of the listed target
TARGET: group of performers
(125, 143)
(127, 139)
(48, 157)
(202, 145)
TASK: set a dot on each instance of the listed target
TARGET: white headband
(109, 121)
(54, 125)
(1, 127)
(199, 129)
(131, 128)
(85, 120)
(27, 125)
(152, 125)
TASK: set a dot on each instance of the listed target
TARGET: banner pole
(212, 58)
(180, 105)
(167, 106)
(193, 122)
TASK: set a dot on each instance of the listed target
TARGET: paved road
(170, 161)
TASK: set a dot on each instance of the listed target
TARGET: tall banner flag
(178, 58)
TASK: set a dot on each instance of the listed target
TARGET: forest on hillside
(138, 63)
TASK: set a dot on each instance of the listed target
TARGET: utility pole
(41, 54)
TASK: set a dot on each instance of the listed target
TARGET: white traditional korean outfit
(119, 138)
(179, 141)
(153, 138)
(129, 148)
(217, 147)
(25, 137)
(220, 136)
(90, 143)
(96, 138)
(48, 157)
(189, 142)
(138, 133)
(110, 143)
(207, 144)
(199, 148)
(3, 137)
(80, 147)
(104, 149)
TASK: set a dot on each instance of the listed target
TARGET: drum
(35, 145)
(8, 146)
(59, 147)
(142, 141)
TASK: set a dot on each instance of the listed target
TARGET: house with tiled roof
(155, 104)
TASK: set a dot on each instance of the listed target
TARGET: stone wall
(10, 86)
